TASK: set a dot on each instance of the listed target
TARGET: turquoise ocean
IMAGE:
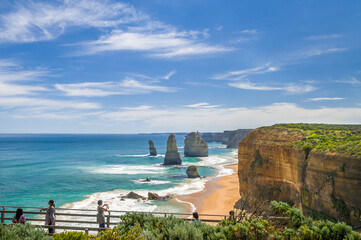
(75, 170)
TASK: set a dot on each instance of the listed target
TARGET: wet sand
(219, 195)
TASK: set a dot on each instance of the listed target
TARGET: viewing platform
(85, 219)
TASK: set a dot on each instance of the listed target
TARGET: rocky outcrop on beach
(172, 156)
(321, 183)
(229, 138)
(192, 172)
(152, 149)
(156, 197)
(133, 195)
(153, 196)
(195, 146)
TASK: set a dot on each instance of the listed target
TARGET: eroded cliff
(273, 165)
(229, 138)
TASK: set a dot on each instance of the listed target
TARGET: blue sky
(91, 66)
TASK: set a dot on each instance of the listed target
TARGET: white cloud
(240, 80)
(325, 99)
(123, 27)
(17, 89)
(317, 52)
(41, 103)
(7, 63)
(252, 86)
(241, 74)
(351, 80)
(128, 86)
(219, 28)
(290, 88)
(163, 119)
(39, 21)
(249, 31)
(59, 115)
(201, 105)
(268, 68)
(298, 88)
(167, 77)
(140, 108)
(16, 74)
(191, 117)
(322, 37)
(164, 44)
(11, 73)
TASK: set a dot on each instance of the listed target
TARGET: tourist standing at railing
(196, 217)
(231, 216)
(50, 215)
(19, 216)
(100, 216)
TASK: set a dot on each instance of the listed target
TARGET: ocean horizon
(76, 170)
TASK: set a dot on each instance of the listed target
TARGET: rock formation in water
(195, 146)
(152, 149)
(172, 156)
(271, 166)
(146, 180)
(192, 172)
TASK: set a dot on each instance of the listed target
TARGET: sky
(106, 66)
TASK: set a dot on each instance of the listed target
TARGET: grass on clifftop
(327, 138)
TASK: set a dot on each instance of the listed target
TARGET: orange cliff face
(270, 167)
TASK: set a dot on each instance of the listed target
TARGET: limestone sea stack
(172, 156)
(195, 146)
(152, 149)
(192, 172)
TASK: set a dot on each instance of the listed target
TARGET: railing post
(87, 231)
(3, 215)
(108, 220)
(165, 214)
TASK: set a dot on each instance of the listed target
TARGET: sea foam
(126, 169)
(188, 186)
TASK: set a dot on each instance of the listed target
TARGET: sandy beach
(219, 195)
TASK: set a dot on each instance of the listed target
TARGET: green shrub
(71, 236)
(23, 232)
(109, 234)
(169, 228)
(296, 218)
(280, 209)
(115, 234)
(290, 234)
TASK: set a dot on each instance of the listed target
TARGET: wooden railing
(83, 219)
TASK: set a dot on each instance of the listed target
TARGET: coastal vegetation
(136, 226)
(22, 231)
(326, 138)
